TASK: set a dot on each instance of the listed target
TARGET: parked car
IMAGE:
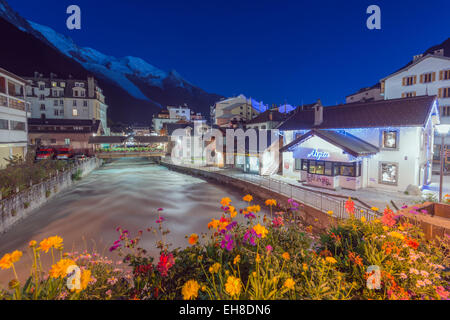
(45, 153)
(64, 154)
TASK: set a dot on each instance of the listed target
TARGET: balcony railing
(3, 101)
(13, 103)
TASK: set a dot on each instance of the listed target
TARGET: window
(67, 141)
(74, 103)
(4, 124)
(85, 103)
(316, 167)
(75, 92)
(61, 102)
(17, 125)
(55, 102)
(408, 94)
(428, 77)
(41, 87)
(54, 84)
(328, 168)
(388, 173)
(389, 139)
(55, 112)
(52, 140)
(444, 75)
(409, 81)
(444, 92)
(347, 170)
(298, 164)
(445, 111)
(54, 93)
(41, 97)
(74, 112)
(82, 93)
(62, 84)
(42, 107)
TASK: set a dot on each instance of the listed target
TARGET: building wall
(13, 107)
(372, 94)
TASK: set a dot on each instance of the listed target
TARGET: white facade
(367, 94)
(428, 75)
(179, 113)
(67, 99)
(394, 169)
(13, 117)
(239, 108)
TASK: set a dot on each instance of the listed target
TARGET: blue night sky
(275, 51)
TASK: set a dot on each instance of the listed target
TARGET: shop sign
(318, 154)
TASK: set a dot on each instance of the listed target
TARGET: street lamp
(443, 130)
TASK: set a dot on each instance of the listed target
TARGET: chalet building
(13, 116)
(425, 75)
(235, 108)
(53, 98)
(385, 144)
(267, 120)
(372, 93)
(64, 132)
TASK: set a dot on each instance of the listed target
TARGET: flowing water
(126, 193)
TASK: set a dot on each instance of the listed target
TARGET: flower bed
(264, 257)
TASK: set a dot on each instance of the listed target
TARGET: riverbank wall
(307, 215)
(22, 204)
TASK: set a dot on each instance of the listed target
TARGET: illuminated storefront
(383, 144)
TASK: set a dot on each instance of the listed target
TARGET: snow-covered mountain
(138, 78)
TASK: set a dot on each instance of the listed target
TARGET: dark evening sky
(273, 51)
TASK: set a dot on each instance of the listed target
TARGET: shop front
(329, 159)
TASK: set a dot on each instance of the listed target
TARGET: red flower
(165, 263)
(350, 206)
(388, 218)
(412, 243)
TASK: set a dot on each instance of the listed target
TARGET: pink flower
(403, 275)
(269, 249)
(442, 292)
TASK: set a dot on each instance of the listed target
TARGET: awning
(345, 141)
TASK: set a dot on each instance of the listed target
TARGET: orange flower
(5, 261)
(193, 239)
(271, 202)
(15, 256)
(225, 201)
(247, 198)
(213, 224)
(286, 256)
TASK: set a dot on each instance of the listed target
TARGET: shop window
(316, 167)
(4, 124)
(328, 168)
(389, 139)
(388, 173)
(305, 165)
(348, 170)
(298, 164)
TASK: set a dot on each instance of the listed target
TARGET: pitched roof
(403, 112)
(347, 142)
(265, 117)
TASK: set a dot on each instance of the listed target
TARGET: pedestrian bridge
(113, 147)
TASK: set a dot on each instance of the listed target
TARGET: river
(126, 193)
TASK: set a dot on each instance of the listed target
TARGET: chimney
(36, 75)
(439, 52)
(318, 113)
(417, 56)
(91, 87)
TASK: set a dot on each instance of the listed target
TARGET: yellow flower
(32, 243)
(59, 269)
(84, 280)
(304, 267)
(233, 211)
(260, 230)
(397, 235)
(271, 202)
(45, 245)
(330, 260)
(330, 212)
(193, 238)
(56, 242)
(5, 261)
(286, 256)
(237, 259)
(233, 286)
(247, 198)
(363, 219)
(258, 258)
(254, 209)
(289, 283)
(15, 256)
(374, 208)
(213, 224)
(190, 290)
(385, 228)
(215, 268)
(376, 221)
(225, 201)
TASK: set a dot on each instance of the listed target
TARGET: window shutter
(404, 81)
(421, 78)
(441, 75)
(415, 79)
(440, 92)
(433, 77)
